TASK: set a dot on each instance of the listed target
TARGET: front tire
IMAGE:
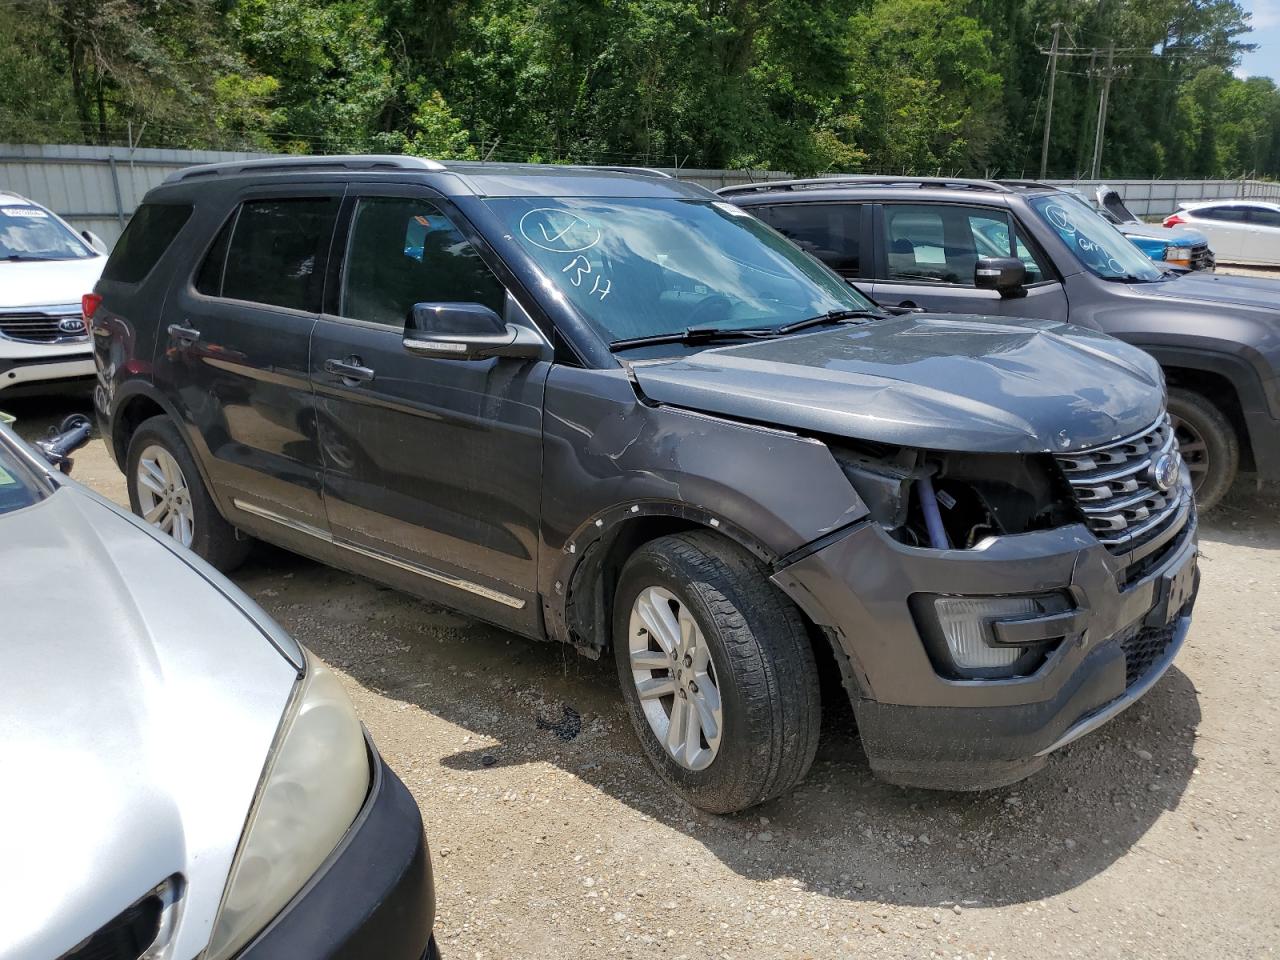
(1208, 444)
(717, 671)
(167, 491)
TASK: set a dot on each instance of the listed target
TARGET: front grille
(1143, 646)
(126, 936)
(1201, 257)
(1118, 487)
(39, 326)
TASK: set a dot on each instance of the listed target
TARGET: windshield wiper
(831, 316)
(693, 335)
(20, 258)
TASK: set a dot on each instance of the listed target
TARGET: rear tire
(168, 492)
(1208, 443)
(736, 630)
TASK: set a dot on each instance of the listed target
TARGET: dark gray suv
(605, 408)
(1018, 248)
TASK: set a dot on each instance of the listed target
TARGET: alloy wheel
(163, 496)
(1194, 450)
(675, 679)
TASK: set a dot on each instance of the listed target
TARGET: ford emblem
(1164, 472)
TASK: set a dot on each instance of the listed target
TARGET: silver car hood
(138, 708)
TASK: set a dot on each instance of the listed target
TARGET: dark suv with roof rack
(606, 408)
(1018, 248)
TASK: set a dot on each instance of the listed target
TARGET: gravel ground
(551, 837)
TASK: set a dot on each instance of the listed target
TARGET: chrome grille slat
(41, 325)
(1116, 493)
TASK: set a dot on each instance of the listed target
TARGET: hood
(133, 726)
(44, 283)
(977, 384)
(1175, 236)
(1263, 292)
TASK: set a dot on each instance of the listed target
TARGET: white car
(1240, 231)
(45, 268)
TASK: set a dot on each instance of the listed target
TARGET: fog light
(966, 625)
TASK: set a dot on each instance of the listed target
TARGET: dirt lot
(1155, 837)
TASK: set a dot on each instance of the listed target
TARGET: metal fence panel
(98, 188)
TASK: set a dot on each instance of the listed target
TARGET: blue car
(1179, 247)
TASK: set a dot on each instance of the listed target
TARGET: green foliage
(810, 86)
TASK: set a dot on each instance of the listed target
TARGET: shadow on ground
(841, 832)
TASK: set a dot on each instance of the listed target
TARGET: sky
(1265, 61)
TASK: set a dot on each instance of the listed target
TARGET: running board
(450, 581)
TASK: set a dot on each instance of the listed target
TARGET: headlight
(965, 642)
(1178, 256)
(313, 786)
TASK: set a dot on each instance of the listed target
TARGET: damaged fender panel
(610, 458)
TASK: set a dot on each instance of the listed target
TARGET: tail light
(1174, 220)
(89, 304)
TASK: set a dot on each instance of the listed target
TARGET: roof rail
(284, 164)
(644, 171)
(1028, 184)
(819, 183)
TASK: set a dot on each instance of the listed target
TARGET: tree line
(901, 86)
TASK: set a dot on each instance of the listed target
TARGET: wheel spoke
(650, 660)
(151, 477)
(1192, 446)
(680, 714)
(707, 702)
(656, 687)
(156, 513)
(660, 623)
(169, 469)
(692, 734)
(184, 528)
(1198, 466)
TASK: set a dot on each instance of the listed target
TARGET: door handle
(183, 334)
(349, 370)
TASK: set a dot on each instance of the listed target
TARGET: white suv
(45, 268)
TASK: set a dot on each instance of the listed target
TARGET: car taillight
(89, 304)
(1174, 220)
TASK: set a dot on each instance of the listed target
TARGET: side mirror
(66, 440)
(1006, 275)
(95, 241)
(467, 331)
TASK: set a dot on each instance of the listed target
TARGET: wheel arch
(133, 405)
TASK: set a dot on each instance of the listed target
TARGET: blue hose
(932, 518)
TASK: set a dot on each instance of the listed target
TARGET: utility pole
(1048, 112)
(1107, 75)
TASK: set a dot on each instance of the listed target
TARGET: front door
(928, 254)
(431, 466)
(234, 354)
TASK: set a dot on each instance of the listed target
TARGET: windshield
(1101, 248)
(647, 267)
(29, 233)
(17, 487)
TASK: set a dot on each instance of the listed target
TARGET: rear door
(1227, 228)
(1264, 236)
(234, 352)
(927, 254)
(431, 466)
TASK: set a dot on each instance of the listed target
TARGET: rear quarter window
(144, 241)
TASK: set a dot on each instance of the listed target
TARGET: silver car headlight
(312, 788)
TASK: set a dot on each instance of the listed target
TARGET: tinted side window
(148, 235)
(209, 278)
(1265, 218)
(831, 232)
(1230, 214)
(405, 251)
(278, 252)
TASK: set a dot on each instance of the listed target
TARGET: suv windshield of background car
(1102, 249)
(645, 267)
(29, 233)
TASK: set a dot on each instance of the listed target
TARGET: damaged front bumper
(923, 726)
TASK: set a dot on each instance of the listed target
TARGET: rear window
(278, 252)
(144, 241)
